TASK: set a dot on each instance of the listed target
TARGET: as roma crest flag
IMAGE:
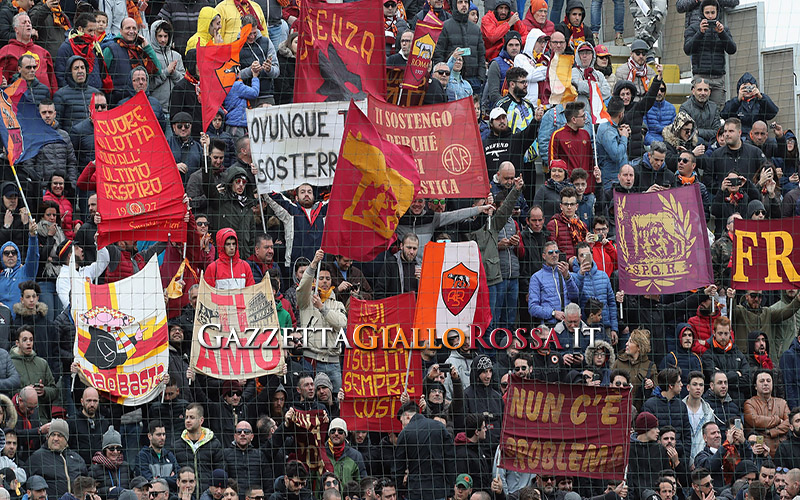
(139, 189)
(426, 35)
(374, 185)
(452, 289)
(218, 66)
(662, 241)
(340, 51)
(121, 341)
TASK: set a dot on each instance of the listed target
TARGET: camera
(445, 367)
(736, 181)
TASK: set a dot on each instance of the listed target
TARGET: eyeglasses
(520, 82)
(520, 368)
(707, 484)
(640, 52)
(437, 202)
(760, 212)
(183, 126)
(683, 160)
(443, 72)
(154, 494)
(114, 448)
(551, 252)
(9, 253)
(246, 432)
(782, 470)
(337, 431)
(240, 181)
(553, 42)
(101, 106)
(390, 4)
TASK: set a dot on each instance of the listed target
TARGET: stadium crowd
(715, 374)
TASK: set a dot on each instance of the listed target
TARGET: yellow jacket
(202, 37)
(232, 20)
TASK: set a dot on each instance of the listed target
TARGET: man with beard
(745, 158)
(750, 315)
(703, 111)
(157, 461)
(498, 68)
(170, 413)
(194, 186)
(473, 454)
(86, 428)
(460, 32)
(504, 145)
(497, 24)
(788, 454)
(303, 221)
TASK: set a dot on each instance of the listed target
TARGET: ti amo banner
(565, 430)
(663, 241)
(766, 254)
(374, 377)
(426, 35)
(340, 52)
(121, 341)
(296, 143)
(236, 332)
(445, 141)
(139, 188)
(374, 186)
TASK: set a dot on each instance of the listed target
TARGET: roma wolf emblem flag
(218, 66)
(121, 342)
(452, 289)
(425, 37)
(663, 241)
(374, 185)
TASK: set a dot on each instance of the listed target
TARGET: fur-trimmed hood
(19, 309)
(9, 411)
(671, 132)
(600, 345)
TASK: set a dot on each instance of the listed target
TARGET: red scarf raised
(578, 230)
(578, 32)
(734, 198)
(133, 12)
(59, 18)
(764, 361)
(245, 7)
(194, 81)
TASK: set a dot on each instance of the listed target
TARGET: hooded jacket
(564, 26)
(460, 32)
(675, 144)
(161, 85)
(583, 85)
(605, 370)
(260, 50)
(33, 368)
(749, 111)
(703, 327)
(232, 20)
(635, 111)
(536, 67)
(480, 398)
(183, 15)
(232, 211)
(281, 493)
(236, 101)
(12, 277)
(203, 455)
(705, 115)
(494, 30)
(596, 284)
(708, 49)
(684, 359)
(10, 54)
(72, 102)
(672, 412)
(44, 342)
(332, 315)
(228, 273)
(202, 37)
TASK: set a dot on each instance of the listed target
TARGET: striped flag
(121, 341)
(597, 105)
(559, 76)
(452, 289)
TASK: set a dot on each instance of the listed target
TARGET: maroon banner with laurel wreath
(445, 141)
(663, 241)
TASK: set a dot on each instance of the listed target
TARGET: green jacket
(32, 369)
(486, 238)
(785, 331)
(227, 210)
(763, 319)
(350, 466)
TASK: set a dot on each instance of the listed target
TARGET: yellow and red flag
(597, 105)
(426, 35)
(374, 185)
(218, 66)
(560, 78)
(121, 341)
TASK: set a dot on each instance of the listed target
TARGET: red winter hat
(644, 422)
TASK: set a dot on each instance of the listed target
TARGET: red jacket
(228, 273)
(494, 32)
(703, 327)
(87, 181)
(560, 233)
(64, 210)
(575, 148)
(548, 27)
(45, 73)
(605, 256)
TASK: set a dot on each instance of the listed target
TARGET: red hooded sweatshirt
(228, 273)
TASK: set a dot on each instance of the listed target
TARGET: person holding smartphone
(730, 198)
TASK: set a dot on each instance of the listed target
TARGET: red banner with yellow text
(566, 430)
(445, 141)
(375, 369)
(139, 189)
(766, 254)
(340, 52)
(426, 35)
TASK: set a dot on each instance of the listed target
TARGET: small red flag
(218, 66)
(374, 185)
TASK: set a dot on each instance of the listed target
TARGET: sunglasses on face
(760, 212)
(114, 448)
(683, 160)
(246, 432)
(438, 202)
(337, 431)
(331, 482)
(553, 252)
(101, 106)
(755, 295)
(183, 126)
(443, 72)
(640, 52)
(520, 368)
(201, 223)
(9, 253)
(235, 393)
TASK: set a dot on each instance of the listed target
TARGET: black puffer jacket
(708, 49)
(72, 101)
(58, 469)
(749, 111)
(460, 32)
(732, 362)
(635, 112)
(479, 398)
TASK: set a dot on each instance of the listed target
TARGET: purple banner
(663, 241)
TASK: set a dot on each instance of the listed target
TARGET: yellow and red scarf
(635, 71)
(245, 7)
(59, 18)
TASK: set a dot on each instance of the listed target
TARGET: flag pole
(205, 158)
(261, 207)
(409, 353)
(399, 95)
(21, 192)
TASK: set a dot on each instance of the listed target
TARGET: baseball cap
(464, 480)
(497, 113)
(602, 50)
